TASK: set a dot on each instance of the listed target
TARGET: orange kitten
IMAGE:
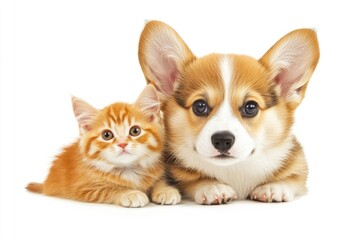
(117, 158)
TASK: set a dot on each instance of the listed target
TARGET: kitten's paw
(166, 196)
(273, 192)
(133, 199)
(214, 194)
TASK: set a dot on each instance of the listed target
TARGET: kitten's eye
(250, 109)
(107, 135)
(135, 131)
(201, 108)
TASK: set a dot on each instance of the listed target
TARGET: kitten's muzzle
(123, 145)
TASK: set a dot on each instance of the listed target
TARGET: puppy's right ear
(162, 55)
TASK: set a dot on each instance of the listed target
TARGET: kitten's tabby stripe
(88, 144)
(97, 193)
(94, 155)
(117, 117)
(143, 139)
(91, 195)
(123, 116)
(154, 148)
(111, 120)
(103, 145)
(154, 133)
(156, 136)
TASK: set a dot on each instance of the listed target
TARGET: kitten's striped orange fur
(117, 158)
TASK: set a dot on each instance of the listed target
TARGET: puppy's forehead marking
(226, 70)
(225, 113)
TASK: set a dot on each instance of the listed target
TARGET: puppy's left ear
(163, 55)
(291, 62)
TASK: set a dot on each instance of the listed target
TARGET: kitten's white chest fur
(131, 174)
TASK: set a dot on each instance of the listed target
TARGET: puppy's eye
(249, 109)
(201, 108)
(107, 135)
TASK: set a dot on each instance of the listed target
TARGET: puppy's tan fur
(276, 169)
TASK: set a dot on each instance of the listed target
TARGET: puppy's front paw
(133, 199)
(214, 194)
(273, 192)
(166, 196)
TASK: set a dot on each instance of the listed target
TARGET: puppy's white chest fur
(247, 175)
(244, 176)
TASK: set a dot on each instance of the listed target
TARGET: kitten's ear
(291, 62)
(162, 55)
(148, 102)
(85, 113)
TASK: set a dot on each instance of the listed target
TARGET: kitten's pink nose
(123, 145)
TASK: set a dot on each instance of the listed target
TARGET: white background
(52, 49)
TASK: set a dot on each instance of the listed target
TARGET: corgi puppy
(228, 118)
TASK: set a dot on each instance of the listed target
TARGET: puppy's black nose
(223, 141)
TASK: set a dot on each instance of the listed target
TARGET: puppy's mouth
(220, 155)
(227, 155)
(224, 155)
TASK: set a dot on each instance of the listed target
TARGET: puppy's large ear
(291, 62)
(162, 55)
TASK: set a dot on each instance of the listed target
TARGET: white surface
(51, 49)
